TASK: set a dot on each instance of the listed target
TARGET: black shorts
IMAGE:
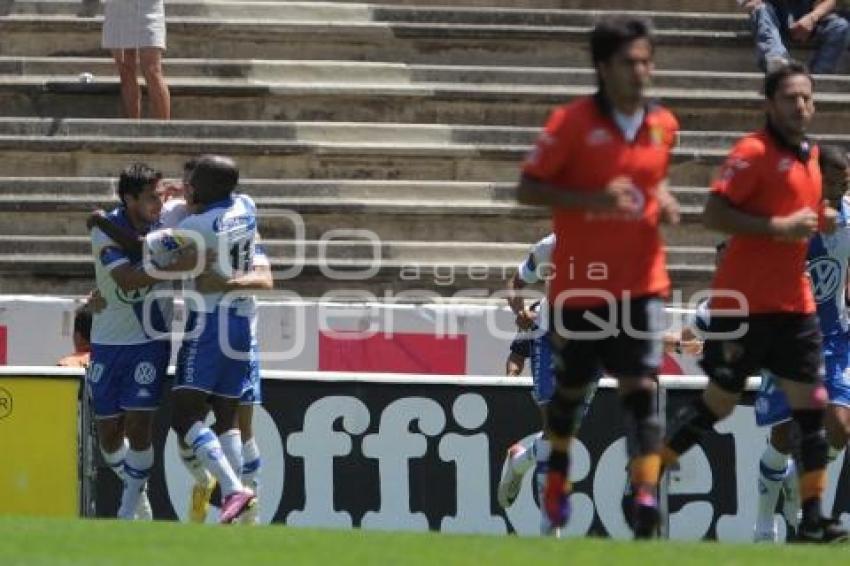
(789, 345)
(627, 343)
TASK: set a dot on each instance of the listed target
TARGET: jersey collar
(801, 151)
(223, 203)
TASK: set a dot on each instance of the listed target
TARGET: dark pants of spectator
(770, 24)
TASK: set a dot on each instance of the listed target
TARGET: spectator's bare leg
(131, 96)
(160, 98)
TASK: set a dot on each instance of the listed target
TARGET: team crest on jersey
(131, 297)
(599, 136)
(656, 135)
(145, 373)
(785, 164)
(825, 273)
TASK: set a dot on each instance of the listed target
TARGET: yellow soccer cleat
(201, 494)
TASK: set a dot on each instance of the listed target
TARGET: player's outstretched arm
(130, 243)
(259, 279)
(514, 365)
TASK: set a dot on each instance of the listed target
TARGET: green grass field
(55, 542)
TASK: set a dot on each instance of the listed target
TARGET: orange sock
(812, 484)
(645, 470)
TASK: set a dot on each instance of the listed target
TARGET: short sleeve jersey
(582, 149)
(763, 177)
(128, 316)
(228, 227)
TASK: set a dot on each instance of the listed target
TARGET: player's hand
(828, 219)
(211, 282)
(750, 5)
(802, 29)
(185, 260)
(525, 319)
(798, 226)
(91, 221)
(669, 207)
(95, 302)
(619, 196)
(168, 190)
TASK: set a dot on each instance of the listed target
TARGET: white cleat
(511, 480)
(769, 535)
(143, 508)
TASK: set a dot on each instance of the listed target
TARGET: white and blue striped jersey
(538, 267)
(121, 322)
(227, 227)
(827, 266)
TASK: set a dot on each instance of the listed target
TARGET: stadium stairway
(405, 119)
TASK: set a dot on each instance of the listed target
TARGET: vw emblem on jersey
(825, 273)
(95, 373)
(145, 373)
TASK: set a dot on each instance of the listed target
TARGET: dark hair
(774, 78)
(190, 164)
(214, 178)
(832, 156)
(611, 34)
(82, 323)
(135, 178)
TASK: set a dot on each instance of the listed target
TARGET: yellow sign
(39, 446)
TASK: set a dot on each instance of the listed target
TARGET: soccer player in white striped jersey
(128, 364)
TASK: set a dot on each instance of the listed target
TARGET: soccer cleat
(546, 528)
(770, 535)
(251, 516)
(511, 480)
(825, 531)
(200, 504)
(143, 507)
(235, 505)
(556, 498)
(645, 515)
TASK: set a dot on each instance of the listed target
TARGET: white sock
(772, 470)
(137, 469)
(194, 465)
(542, 448)
(832, 454)
(115, 460)
(231, 444)
(522, 461)
(792, 490)
(207, 447)
(251, 464)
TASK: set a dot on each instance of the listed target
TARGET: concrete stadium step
(671, 5)
(723, 47)
(70, 192)
(392, 252)
(59, 71)
(381, 12)
(249, 99)
(38, 147)
(472, 268)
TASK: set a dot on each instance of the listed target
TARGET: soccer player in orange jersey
(601, 165)
(768, 197)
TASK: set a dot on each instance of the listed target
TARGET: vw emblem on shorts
(826, 278)
(95, 373)
(145, 373)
